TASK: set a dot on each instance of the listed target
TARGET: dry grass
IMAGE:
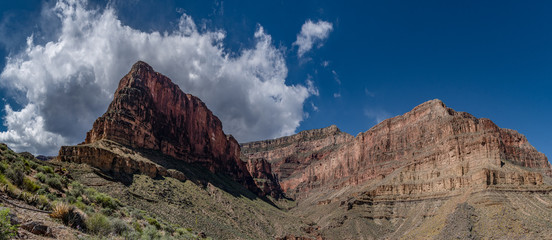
(60, 210)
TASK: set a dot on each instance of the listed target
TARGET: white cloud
(336, 77)
(312, 33)
(325, 63)
(313, 90)
(337, 95)
(68, 82)
(314, 107)
(25, 131)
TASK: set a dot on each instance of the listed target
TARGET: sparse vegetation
(98, 224)
(7, 230)
(82, 208)
(30, 185)
(41, 177)
(119, 226)
(16, 173)
(54, 182)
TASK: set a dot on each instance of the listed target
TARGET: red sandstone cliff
(431, 149)
(150, 112)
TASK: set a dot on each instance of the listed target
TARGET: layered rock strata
(429, 150)
(150, 112)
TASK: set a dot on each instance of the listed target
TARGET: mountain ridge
(431, 158)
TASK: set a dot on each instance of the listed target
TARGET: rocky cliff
(430, 149)
(149, 112)
(415, 176)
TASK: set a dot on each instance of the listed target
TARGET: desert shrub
(7, 230)
(12, 190)
(106, 201)
(137, 214)
(54, 182)
(3, 180)
(76, 189)
(60, 210)
(79, 204)
(41, 177)
(28, 197)
(153, 222)
(137, 227)
(98, 224)
(4, 166)
(10, 156)
(90, 193)
(69, 215)
(51, 196)
(16, 173)
(107, 211)
(43, 202)
(30, 163)
(119, 226)
(151, 232)
(45, 169)
(71, 199)
(30, 185)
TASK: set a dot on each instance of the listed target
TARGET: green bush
(45, 169)
(4, 166)
(153, 222)
(3, 147)
(106, 201)
(43, 202)
(151, 232)
(3, 179)
(76, 189)
(16, 173)
(41, 177)
(7, 230)
(119, 226)
(10, 156)
(98, 224)
(30, 185)
(54, 182)
(137, 227)
(51, 196)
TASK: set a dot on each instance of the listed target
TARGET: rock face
(290, 156)
(415, 176)
(150, 112)
(431, 149)
(261, 171)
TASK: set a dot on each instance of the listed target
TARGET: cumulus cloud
(68, 82)
(312, 33)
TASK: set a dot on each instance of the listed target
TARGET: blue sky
(379, 59)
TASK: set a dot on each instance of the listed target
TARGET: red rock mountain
(434, 147)
(432, 173)
(150, 112)
(415, 176)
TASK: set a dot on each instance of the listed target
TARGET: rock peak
(150, 112)
(431, 104)
(139, 65)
